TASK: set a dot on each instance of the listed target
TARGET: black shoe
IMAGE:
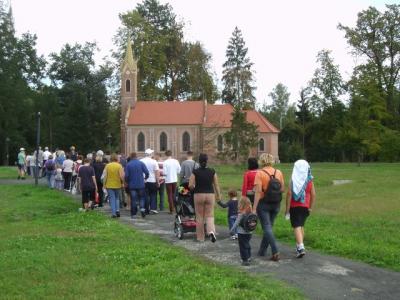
(113, 216)
(300, 253)
(118, 215)
(213, 238)
(245, 263)
(143, 214)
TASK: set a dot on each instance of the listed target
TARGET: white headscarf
(301, 176)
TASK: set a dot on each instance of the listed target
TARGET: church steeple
(129, 72)
(130, 62)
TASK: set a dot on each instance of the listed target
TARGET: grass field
(50, 250)
(8, 172)
(359, 220)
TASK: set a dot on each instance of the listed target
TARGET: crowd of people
(140, 184)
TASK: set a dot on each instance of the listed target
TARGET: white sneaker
(153, 212)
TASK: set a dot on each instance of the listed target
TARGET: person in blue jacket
(135, 175)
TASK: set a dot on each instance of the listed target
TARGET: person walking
(21, 163)
(204, 183)
(87, 182)
(265, 203)
(98, 167)
(187, 168)
(232, 206)
(38, 168)
(46, 154)
(114, 177)
(151, 182)
(67, 167)
(161, 181)
(248, 179)
(244, 236)
(50, 171)
(171, 170)
(300, 199)
(135, 175)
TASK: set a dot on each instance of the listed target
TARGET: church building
(180, 126)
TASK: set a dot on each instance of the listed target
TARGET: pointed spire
(129, 60)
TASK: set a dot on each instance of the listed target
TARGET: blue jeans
(161, 192)
(137, 195)
(231, 221)
(113, 195)
(244, 246)
(267, 215)
(50, 179)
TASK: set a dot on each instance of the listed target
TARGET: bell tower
(129, 72)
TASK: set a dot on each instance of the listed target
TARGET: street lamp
(7, 154)
(109, 137)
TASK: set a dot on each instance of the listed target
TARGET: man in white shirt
(151, 183)
(171, 168)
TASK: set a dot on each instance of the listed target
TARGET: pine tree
(237, 74)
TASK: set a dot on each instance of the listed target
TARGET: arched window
(163, 141)
(185, 141)
(127, 85)
(220, 143)
(261, 145)
(140, 142)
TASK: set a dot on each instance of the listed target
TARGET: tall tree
(82, 98)
(376, 36)
(20, 73)
(277, 111)
(327, 84)
(238, 77)
(167, 63)
(240, 138)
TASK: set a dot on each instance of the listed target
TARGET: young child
(59, 179)
(232, 205)
(244, 236)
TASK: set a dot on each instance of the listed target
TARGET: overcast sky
(283, 36)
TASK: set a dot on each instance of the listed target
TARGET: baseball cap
(149, 151)
(22, 149)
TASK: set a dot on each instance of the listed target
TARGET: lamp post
(37, 149)
(109, 137)
(7, 154)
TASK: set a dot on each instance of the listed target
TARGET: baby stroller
(185, 214)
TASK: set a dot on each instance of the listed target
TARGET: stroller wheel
(180, 232)
(178, 229)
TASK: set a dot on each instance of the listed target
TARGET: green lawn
(8, 172)
(50, 250)
(359, 220)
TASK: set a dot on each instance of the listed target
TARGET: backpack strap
(270, 177)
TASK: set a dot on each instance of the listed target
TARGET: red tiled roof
(167, 113)
(192, 113)
(218, 115)
(263, 124)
